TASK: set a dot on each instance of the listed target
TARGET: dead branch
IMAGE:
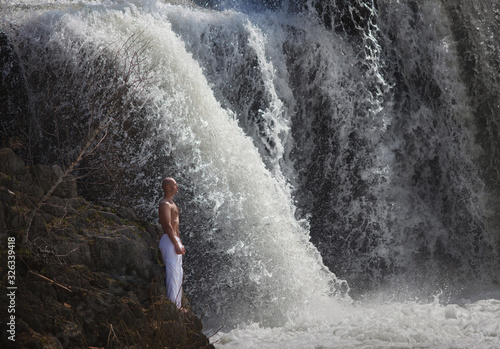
(50, 280)
(98, 125)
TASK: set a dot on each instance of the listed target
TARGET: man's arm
(165, 213)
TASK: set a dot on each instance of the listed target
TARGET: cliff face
(87, 275)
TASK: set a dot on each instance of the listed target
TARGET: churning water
(337, 167)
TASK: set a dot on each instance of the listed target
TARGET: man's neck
(168, 198)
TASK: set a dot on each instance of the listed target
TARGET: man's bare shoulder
(166, 202)
(169, 204)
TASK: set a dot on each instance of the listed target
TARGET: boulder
(47, 176)
(10, 163)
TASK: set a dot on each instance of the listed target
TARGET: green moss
(56, 224)
(139, 224)
(97, 216)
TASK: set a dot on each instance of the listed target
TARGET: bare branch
(50, 280)
(128, 81)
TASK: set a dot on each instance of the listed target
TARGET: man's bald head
(168, 184)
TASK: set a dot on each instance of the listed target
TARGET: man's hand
(179, 248)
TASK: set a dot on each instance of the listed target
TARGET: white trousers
(173, 269)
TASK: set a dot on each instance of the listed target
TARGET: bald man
(170, 243)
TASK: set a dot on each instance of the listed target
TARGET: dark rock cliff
(84, 275)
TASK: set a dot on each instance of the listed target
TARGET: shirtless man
(170, 243)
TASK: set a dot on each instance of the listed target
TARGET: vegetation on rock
(89, 275)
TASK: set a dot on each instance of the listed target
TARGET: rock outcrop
(87, 276)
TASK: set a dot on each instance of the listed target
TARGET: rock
(113, 218)
(76, 202)
(39, 226)
(51, 342)
(47, 176)
(54, 206)
(2, 219)
(7, 196)
(36, 340)
(44, 177)
(10, 163)
(68, 188)
(14, 218)
(123, 212)
(90, 276)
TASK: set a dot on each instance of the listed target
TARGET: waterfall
(251, 250)
(373, 131)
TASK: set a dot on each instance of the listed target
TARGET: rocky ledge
(85, 275)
